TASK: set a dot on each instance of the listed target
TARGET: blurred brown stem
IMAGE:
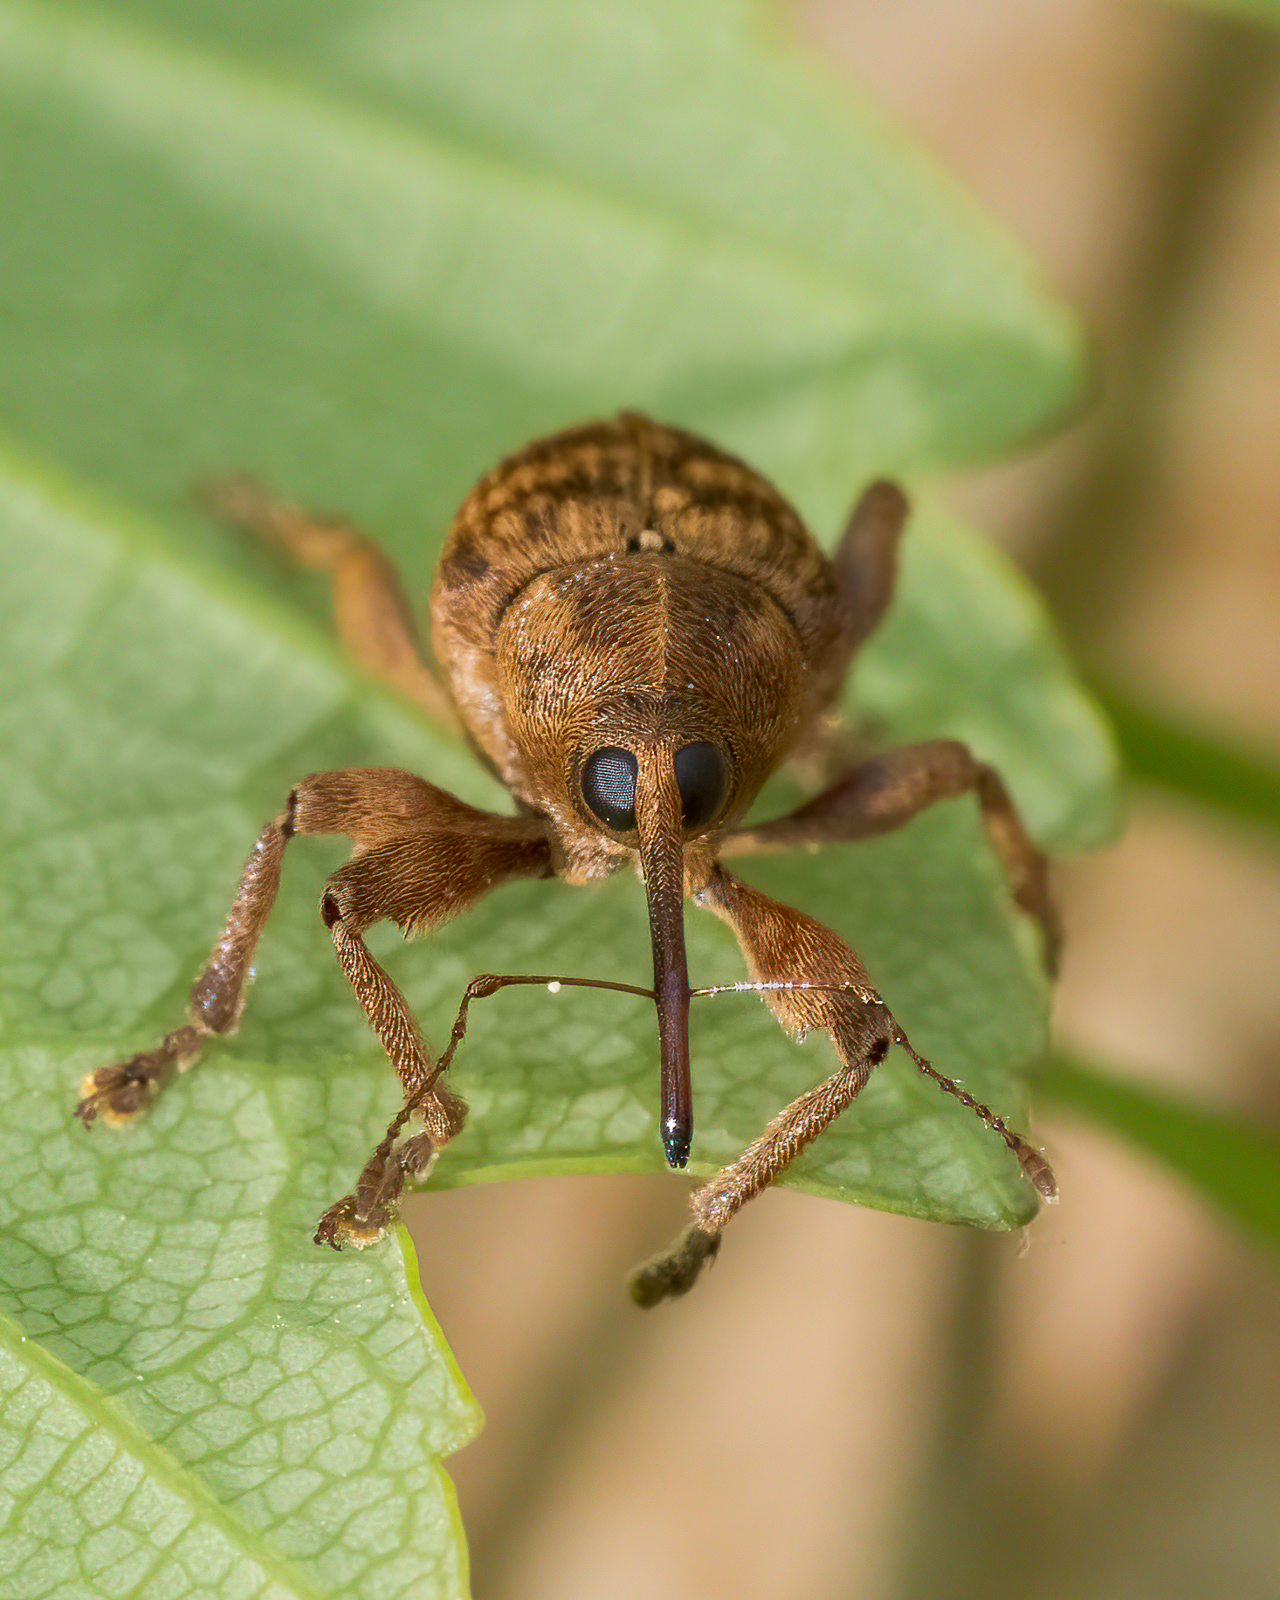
(1093, 556)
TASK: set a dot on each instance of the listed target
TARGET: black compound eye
(609, 787)
(700, 777)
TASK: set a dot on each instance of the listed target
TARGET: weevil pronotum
(633, 629)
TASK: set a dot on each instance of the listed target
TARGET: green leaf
(1237, 1165)
(197, 1401)
(95, 1498)
(369, 249)
(363, 251)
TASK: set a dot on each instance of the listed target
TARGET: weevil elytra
(633, 629)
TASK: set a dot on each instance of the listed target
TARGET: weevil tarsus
(633, 629)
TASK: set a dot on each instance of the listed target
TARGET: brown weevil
(633, 629)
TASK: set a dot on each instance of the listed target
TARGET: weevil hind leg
(864, 565)
(865, 562)
(373, 616)
(876, 796)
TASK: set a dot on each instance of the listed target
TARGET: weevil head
(621, 679)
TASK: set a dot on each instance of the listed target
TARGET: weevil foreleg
(421, 856)
(119, 1092)
(881, 794)
(326, 802)
(809, 979)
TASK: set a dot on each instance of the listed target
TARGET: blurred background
(855, 1404)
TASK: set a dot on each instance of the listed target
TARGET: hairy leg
(420, 856)
(810, 979)
(865, 562)
(879, 795)
(452, 858)
(118, 1092)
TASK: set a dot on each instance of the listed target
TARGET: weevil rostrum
(633, 629)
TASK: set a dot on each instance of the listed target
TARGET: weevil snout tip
(677, 1136)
